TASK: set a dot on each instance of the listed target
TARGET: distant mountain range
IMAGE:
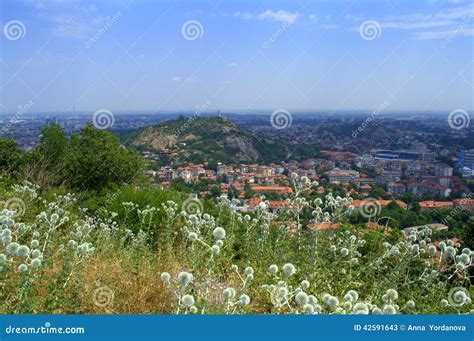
(212, 139)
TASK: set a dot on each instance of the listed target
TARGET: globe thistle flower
(215, 249)
(308, 309)
(193, 310)
(333, 302)
(289, 269)
(229, 293)
(450, 251)
(184, 278)
(442, 246)
(165, 277)
(244, 299)
(219, 243)
(34, 243)
(354, 294)
(3, 258)
(234, 267)
(466, 251)
(465, 259)
(344, 252)
(192, 236)
(249, 278)
(317, 308)
(305, 284)
(348, 298)
(410, 304)
(376, 311)
(347, 305)
(36, 253)
(312, 300)
(392, 295)
(22, 268)
(23, 251)
(361, 308)
(389, 309)
(460, 266)
(354, 261)
(302, 298)
(282, 292)
(187, 300)
(273, 269)
(432, 249)
(248, 270)
(333, 248)
(12, 248)
(444, 303)
(219, 233)
(36, 263)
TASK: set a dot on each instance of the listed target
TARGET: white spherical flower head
(229, 293)
(219, 233)
(308, 309)
(192, 236)
(184, 278)
(354, 294)
(34, 243)
(432, 249)
(450, 251)
(344, 252)
(289, 269)
(36, 253)
(302, 298)
(12, 248)
(305, 284)
(22, 268)
(215, 249)
(361, 308)
(244, 299)
(392, 295)
(234, 267)
(36, 263)
(333, 302)
(165, 277)
(3, 258)
(376, 311)
(410, 304)
(282, 292)
(193, 310)
(273, 269)
(187, 300)
(23, 251)
(444, 303)
(248, 270)
(389, 309)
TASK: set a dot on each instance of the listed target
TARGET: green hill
(212, 139)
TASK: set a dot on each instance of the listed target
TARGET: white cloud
(280, 16)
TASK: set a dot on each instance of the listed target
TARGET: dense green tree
(96, 158)
(10, 156)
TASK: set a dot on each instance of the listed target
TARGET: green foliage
(10, 156)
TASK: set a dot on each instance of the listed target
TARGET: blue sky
(247, 55)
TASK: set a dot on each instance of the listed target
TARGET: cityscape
(237, 158)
